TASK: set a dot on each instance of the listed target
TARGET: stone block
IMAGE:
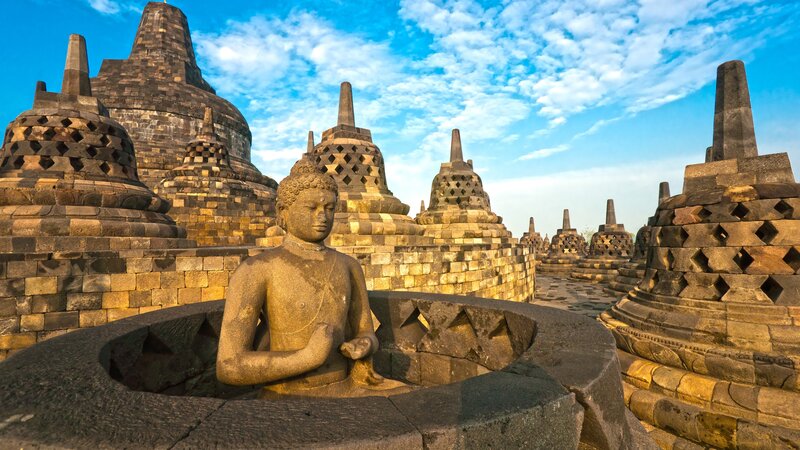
(94, 318)
(41, 285)
(123, 281)
(148, 281)
(189, 295)
(83, 301)
(165, 297)
(115, 300)
(97, 283)
(213, 293)
(31, 322)
(196, 279)
(121, 313)
(140, 298)
(61, 320)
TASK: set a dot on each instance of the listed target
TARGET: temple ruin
(566, 248)
(610, 247)
(535, 240)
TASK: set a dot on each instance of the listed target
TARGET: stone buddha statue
(297, 316)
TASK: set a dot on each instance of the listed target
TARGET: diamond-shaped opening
(653, 280)
(91, 126)
(318, 160)
(720, 234)
(361, 158)
(152, 344)
(35, 146)
(112, 131)
(331, 158)
(62, 148)
(105, 167)
(784, 208)
(364, 180)
(66, 122)
(670, 259)
(743, 259)
(42, 120)
(48, 134)
(46, 162)
(19, 162)
(721, 286)
(347, 179)
(701, 261)
(115, 155)
(91, 151)
(347, 158)
(772, 289)
(462, 325)
(681, 285)
(27, 132)
(104, 140)
(416, 320)
(703, 214)
(338, 169)
(684, 235)
(658, 236)
(452, 192)
(5, 161)
(355, 169)
(792, 258)
(740, 211)
(76, 164)
(76, 136)
(339, 148)
(767, 232)
(458, 184)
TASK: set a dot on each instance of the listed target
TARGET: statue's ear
(281, 219)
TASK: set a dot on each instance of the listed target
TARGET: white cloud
(111, 7)
(544, 152)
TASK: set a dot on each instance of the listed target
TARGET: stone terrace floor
(576, 296)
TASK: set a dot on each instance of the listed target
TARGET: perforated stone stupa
(368, 213)
(535, 240)
(566, 248)
(68, 178)
(710, 340)
(460, 211)
(632, 272)
(609, 248)
(210, 199)
(159, 95)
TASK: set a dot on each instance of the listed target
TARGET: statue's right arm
(237, 363)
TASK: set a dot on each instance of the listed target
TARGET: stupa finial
(663, 192)
(422, 206)
(611, 214)
(456, 154)
(310, 144)
(734, 134)
(531, 227)
(76, 69)
(207, 129)
(565, 221)
(346, 113)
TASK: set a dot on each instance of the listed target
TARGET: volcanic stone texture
(710, 340)
(158, 94)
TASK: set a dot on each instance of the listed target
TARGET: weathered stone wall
(47, 294)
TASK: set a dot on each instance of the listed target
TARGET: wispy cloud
(111, 7)
(544, 152)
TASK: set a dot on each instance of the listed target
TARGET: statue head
(306, 202)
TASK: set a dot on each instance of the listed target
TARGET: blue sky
(561, 104)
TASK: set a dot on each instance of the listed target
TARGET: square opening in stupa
(164, 284)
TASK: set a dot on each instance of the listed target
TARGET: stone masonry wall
(48, 294)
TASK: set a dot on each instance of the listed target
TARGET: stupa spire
(346, 113)
(310, 144)
(207, 131)
(663, 192)
(531, 227)
(422, 206)
(456, 154)
(734, 134)
(611, 214)
(76, 69)
(565, 221)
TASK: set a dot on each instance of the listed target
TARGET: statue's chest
(307, 294)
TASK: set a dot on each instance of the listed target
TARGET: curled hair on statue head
(304, 175)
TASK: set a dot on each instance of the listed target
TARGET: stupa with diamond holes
(68, 178)
(209, 199)
(459, 211)
(609, 248)
(632, 272)
(709, 342)
(159, 95)
(566, 248)
(367, 212)
(534, 240)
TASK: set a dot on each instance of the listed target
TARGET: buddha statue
(297, 317)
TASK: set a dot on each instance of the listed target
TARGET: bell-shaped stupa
(68, 176)
(709, 342)
(209, 199)
(534, 240)
(632, 272)
(459, 211)
(159, 95)
(367, 212)
(566, 248)
(609, 248)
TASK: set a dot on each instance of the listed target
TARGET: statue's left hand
(356, 348)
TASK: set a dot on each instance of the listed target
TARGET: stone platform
(575, 296)
(509, 375)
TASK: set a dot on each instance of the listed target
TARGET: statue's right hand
(320, 344)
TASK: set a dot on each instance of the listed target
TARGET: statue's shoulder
(257, 262)
(345, 259)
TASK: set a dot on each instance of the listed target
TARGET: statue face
(310, 217)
